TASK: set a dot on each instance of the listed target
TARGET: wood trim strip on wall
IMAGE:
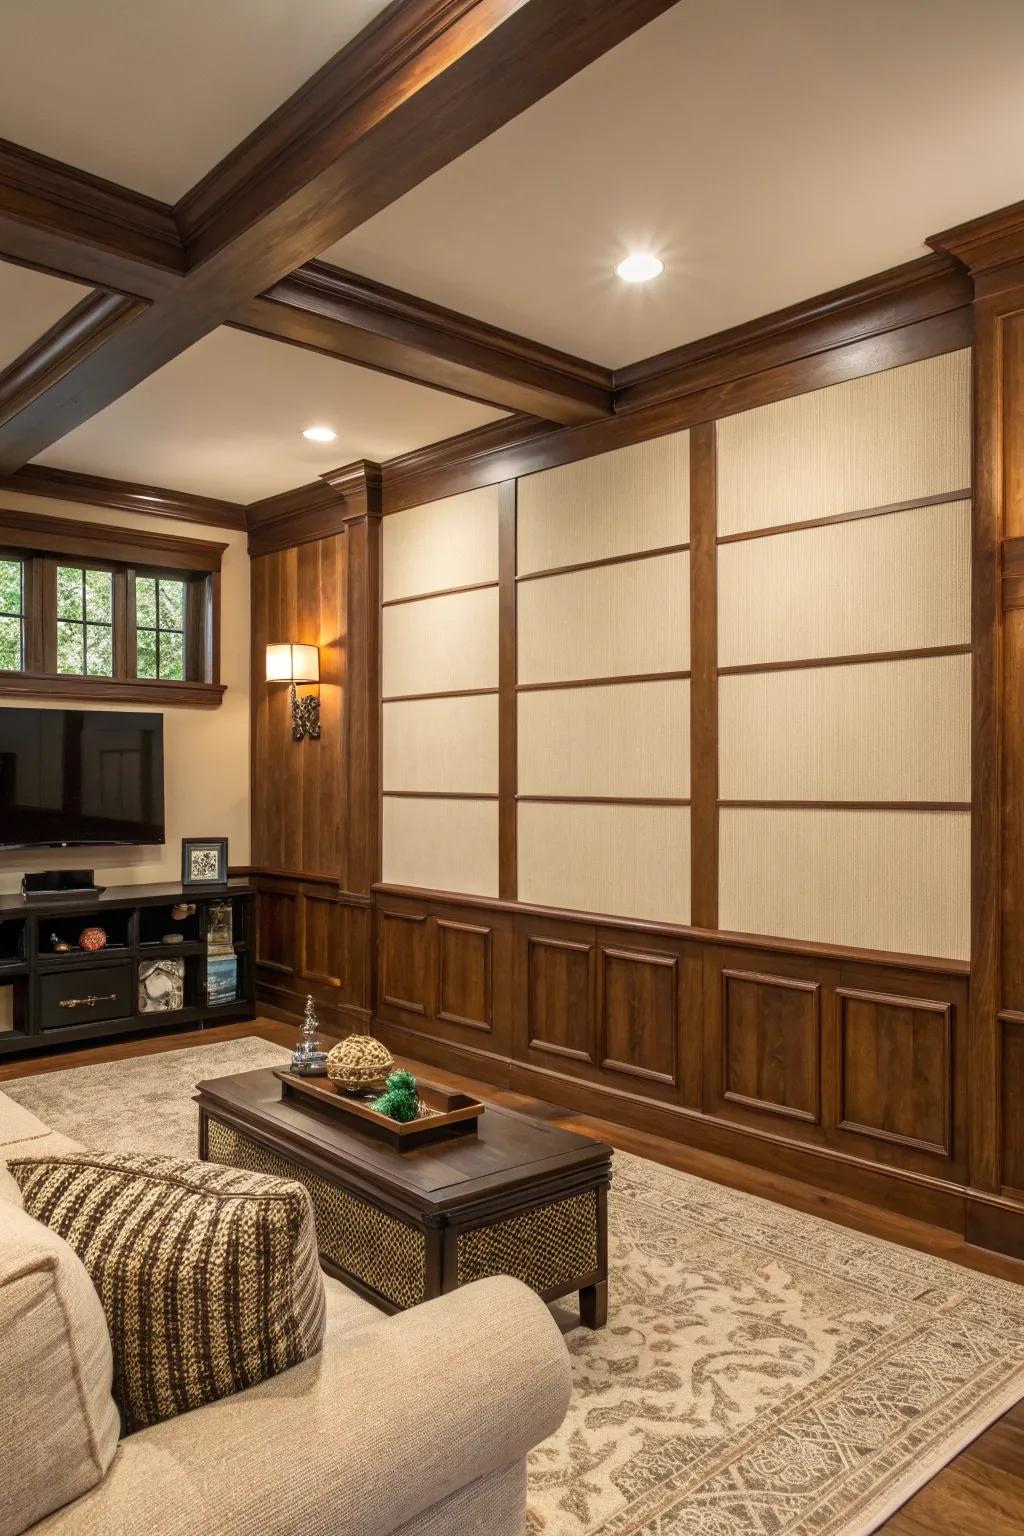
(437, 794)
(844, 661)
(944, 498)
(444, 693)
(704, 676)
(599, 800)
(845, 805)
(593, 565)
(603, 682)
(508, 703)
(422, 597)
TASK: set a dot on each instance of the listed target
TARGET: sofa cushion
(23, 1134)
(58, 1422)
(208, 1275)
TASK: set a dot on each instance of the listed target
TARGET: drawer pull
(87, 1002)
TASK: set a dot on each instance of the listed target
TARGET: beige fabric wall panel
(613, 621)
(442, 644)
(634, 498)
(626, 739)
(899, 582)
(888, 437)
(889, 880)
(449, 543)
(449, 745)
(893, 730)
(623, 860)
(442, 845)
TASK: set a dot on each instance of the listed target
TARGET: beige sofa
(329, 1448)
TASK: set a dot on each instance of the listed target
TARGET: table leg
(594, 1305)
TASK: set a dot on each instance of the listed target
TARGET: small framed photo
(204, 861)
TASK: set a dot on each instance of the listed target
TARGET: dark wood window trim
(41, 541)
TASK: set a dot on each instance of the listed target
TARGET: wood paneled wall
(712, 679)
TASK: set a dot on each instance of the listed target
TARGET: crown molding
(900, 296)
(989, 247)
(315, 511)
(124, 496)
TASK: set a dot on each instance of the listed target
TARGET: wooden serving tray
(450, 1113)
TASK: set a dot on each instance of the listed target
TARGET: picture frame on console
(204, 861)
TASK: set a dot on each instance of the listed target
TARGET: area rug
(763, 1372)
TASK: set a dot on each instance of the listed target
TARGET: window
(160, 627)
(85, 621)
(93, 612)
(12, 615)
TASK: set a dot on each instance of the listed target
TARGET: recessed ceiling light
(640, 268)
(319, 434)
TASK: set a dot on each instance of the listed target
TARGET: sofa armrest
(354, 1442)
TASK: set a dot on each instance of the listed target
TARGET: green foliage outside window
(11, 616)
(85, 621)
(160, 628)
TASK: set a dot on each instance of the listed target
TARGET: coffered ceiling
(226, 418)
(767, 152)
(152, 94)
(30, 302)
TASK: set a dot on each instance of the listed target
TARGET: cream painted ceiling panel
(892, 730)
(609, 621)
(442, 845)
(624, 860)
(630, 739)
(447, 543)
(30, 302)
(896, 436)
(615, 504)
(842, 136)
(226, 419)
(151, 94)
(441, 644)
(899, 582)
(442, 745)
(892, 880)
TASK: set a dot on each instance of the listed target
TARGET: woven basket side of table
(545, 1247)
(386, 1254)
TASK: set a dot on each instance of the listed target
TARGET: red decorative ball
(92, 938)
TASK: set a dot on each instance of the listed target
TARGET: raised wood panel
(895, 730)
(560, 978)
(441, 644)
(612, 504)
(276, 931)
(442, 845)
(629, 739)
(623, 860)
(446, 745)
(640, 1014)
(406, 972)
(320, 948)
(1013, 1103)
(894, 436)
(612, 621)
(297, 798)
(464, 973)
(447, 543)
(771, 1043)
(895, 1069)
(894, 583)
(881, 880)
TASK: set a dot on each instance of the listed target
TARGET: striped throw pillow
(208, 1275)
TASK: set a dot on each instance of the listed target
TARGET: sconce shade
(293, 664)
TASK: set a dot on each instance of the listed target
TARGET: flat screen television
(80, 778)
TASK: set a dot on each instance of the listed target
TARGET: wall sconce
(297, 664)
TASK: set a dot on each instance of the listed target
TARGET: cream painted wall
(206, 751)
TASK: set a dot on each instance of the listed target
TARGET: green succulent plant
(399, 1101)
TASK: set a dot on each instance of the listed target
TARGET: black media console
(49, 997)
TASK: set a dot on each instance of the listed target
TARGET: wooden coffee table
(519, 1198)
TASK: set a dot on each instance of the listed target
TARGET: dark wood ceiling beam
(420, 86)
(73, 337)
(63, 220)
(124, 496)
(363, 321)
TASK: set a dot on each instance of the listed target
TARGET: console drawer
(85, 996)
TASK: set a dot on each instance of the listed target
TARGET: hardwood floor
(980, 1493)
